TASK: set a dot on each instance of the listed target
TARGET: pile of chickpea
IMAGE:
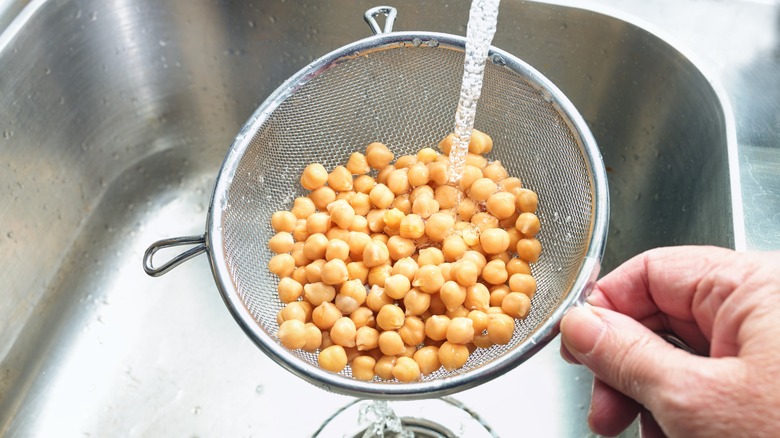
(402, 273)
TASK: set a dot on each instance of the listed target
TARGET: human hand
(724, 304)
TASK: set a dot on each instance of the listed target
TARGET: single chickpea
(479, 320)
(375, 254)
(381, 196)
(413, 331)
(481, 189)
(465, 272)
(361, 204)
(467, 208)
(501, 205)
(516, 305)
(436, 327)
(511, 185)
(366, 338)
(406, 266)
(453, 356)
(391, 344)
(453, 247)
(313, 271)
(494, 240)
(418, 174)
(334, 272)
(427, 359)
(438, 226)
(341, 213)
(484, 221)
(363, 317)
(428, 279)
(359, 224)
(292, 334)
(398, 181)
(289, 290)
(351, 296)
(477, 297)
(480, 143)
(303, 207)
(412, 226)
(425, 206)
(299, 274)
(500, 328)
(378, 155)
(526, 201)
(528, 224)
(397, 285)
(457, 312)
(364, 184)
(495, 171)
(503, 256)
(325, 315)
(357, 271)
(477, 257)
(384, 367)
(482, 340)
(316, 246)
(406, 370)
(337, 249)
(416, 302)
(314, 176)
(357, 244)
(378, 275)
(336, 233)
(318, 223)
(447, 196)
(471, 174)
(471, 237)
(340, 179)
(497, 294)
(514, 237)
(390, 317)
(282, 265)
(346, 196)
(318, 293)
(392, 218)
(517, 266)
(495, 272)
(529, 249)
(437, 306)
(399, 247)
(427, 155)
(377, 298)
(523, 283)
(476, 160)
(445, 145)
(281, 242)
(430, 256)
(333, 358)
(343, 332)
(300, 232)
(438, 172)
(283, 221)
(363, 368)
(460, 330)
(384, 173)
(313, 336)
(425, 191)
(357, 164)
(446, 270)
(405, 161)
(402, 203)
(299, 310)
(322, 197)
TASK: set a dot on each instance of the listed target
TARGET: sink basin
(115, 117)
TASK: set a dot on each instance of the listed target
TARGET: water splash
(483, 17)
(379, 418)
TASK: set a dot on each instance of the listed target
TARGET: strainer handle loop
(388, 11)
(198, 241)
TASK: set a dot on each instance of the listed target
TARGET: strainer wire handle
(198, 241)
(388, 11)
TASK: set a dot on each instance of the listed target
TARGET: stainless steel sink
(115, 117)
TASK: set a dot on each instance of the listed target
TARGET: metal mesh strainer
(402, 89)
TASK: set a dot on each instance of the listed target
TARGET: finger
(568, 357)
(611, 412)
(649, 428)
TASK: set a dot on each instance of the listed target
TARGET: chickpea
(497, 294)
(363, 368)
(377, 275)
(436, 327)
(357, 271)
(412, 226)
(480, 143)
(397, 285)
(351, 296)
(495, 171)
(523, 283)
(445, 145)
(282, 265)
(334, 272)
(361, 205)
(529, 249)
(363, 317)
(391, 344)
(495, 272)
(357, 164)
(465, 272)
(416, 302)
(425, 206)
(467, 208)
(313, 336)
(292, 334)
(303, 207)
(517, 266)
(477, 257)
(438, 226)
(381, 196)
(494, 240)
(446, 270)
(337, 249)
(366, 338)
(460, 330)
(390, 317)
(341, 213)
(430, 256)
(428, 279)
(300, 232)
(418, 174)
(377, 298)
(392, 218)
(318, 223)
(413, 331)
(437, 306)
(477, 297)
(427, 359)
(336, 233)
(299, 310)
(384, 173)
(526, 201)
(318, 293)
(384, 367)
(375, 254)
(479, 320)
(453, 247)
(511, 185)
(283, 221)
(325, 315)
(438, 172)
(501, 205)
(364, 184)
(299, 274)
(406, 370)
(447, 196)
(501, 328)
(398, 181)
(315, 247)
(516, 305)
(482, 340)
(399, 247)
(357, 242)
(314, 176)
(281, 242)
(528, 224)
(378, 155)
(406, 266)
(452, 356)
(340, 179)
(484, 221)
(333, 358)
(457, 312)
(322, 197)
(471, 174)
(481, 189)
(359, 224)
(343, 332)
(402, 203)
(289, 290)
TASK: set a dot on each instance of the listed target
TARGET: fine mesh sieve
(401, 89)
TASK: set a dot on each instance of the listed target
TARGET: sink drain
(435, 418)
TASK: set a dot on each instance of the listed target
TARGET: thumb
(623, 353)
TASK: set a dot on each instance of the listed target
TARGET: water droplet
(251, 23)
(433, 43)
(162, 43)
(498, 59)
(259, 389)
(416, 42)
(93, 16)
(196, 410)
(7, 134)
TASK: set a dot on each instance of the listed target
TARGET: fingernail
(581, 329)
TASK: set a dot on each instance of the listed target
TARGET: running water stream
(483, 17)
